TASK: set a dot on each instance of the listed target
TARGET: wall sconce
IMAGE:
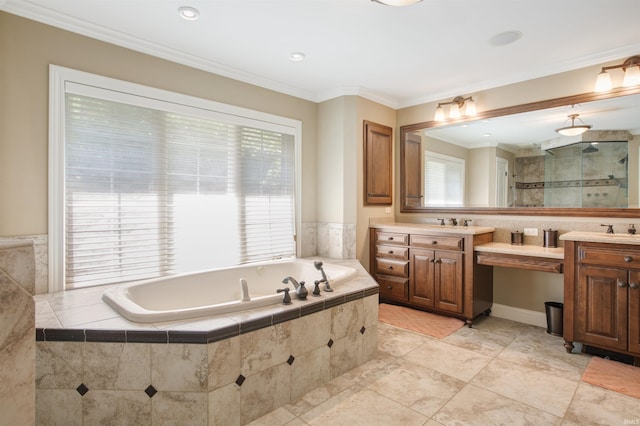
(573, 130)
(631, 68)
(457, 105)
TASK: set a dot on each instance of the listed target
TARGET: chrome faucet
(454, 221)
(293, 281)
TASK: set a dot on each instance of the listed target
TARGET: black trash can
(554, 317)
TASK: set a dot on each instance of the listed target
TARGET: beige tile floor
(498, 373)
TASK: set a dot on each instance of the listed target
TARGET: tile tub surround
(224, 369)
(17, 353)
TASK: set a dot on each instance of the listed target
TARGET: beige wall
(26, 50)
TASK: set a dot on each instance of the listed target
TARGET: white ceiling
(398, 56)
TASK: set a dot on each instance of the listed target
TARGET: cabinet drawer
(392, 252)
(392, 238)
(392, 267)
(437, 242)
(394, 288)
(609, 257)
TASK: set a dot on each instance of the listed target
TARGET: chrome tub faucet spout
(293, 281)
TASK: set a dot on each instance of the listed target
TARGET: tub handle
(287, 299)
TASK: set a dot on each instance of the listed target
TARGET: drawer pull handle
(634, 286)
(438, 261)
(389, 287)
(434, 242)
(628, 259)
(390, 251)
(390, 268)
(390, 238)
(622, 284)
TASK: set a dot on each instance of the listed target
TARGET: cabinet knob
(390, 251)
(622, 284)
(390, 238)
(389, 287)
(432, 260)
(438, 261)
(434, 242)
(634, 285)
(390, 268)
(628, 259)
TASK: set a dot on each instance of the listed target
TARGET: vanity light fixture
(456, 108)
(573, 130)
(397, 2)
(189, 13)
(631, 68)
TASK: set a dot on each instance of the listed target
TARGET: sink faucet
(609, 228)
(293, 281)
(454, 221)
(441, 221)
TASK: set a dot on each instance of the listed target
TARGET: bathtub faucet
(293, 281)
(325, 280)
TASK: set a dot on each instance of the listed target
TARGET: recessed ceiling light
(189, 13)
(505, 38)
(486, 135)
(297, 56)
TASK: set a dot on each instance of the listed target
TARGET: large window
(444, 176)
(147, 183)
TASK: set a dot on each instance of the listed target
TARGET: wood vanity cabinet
(432, 272)
(602, 296)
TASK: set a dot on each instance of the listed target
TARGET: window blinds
(154, 191)
(444, 176)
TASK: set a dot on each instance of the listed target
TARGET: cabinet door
(601, 307)
(378, 172)
(448, 281)
(634, 312)
(422, 273)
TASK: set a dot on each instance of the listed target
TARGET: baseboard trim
(525, 316)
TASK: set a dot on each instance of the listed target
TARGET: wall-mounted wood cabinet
(378, 171)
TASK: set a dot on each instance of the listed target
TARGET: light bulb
(454, 111)
(439, 114)
(631, 76)
(470, 108)
(603, 82)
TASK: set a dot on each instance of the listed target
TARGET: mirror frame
(518, 211)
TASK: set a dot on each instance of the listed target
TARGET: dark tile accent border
(255, 324)
(180, 336)
(308, 307)
(147, 336)
(115, 336)
(334, 302)
(285, 316)
(63, 335)
(40, 335)
(312, 308)
(223, 333)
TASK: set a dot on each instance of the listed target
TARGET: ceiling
(397, 56)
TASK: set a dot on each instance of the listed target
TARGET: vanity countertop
(523, 250)
(433, 228)
(601, 237)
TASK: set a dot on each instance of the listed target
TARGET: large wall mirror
(513, 161)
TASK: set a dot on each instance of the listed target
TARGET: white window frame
(61, 79)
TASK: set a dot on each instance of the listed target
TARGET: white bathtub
(217, 291)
